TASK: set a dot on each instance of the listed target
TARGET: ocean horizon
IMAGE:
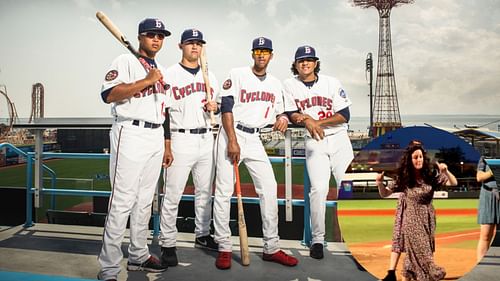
(452, 121)
(361, 123)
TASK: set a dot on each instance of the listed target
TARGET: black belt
(493, 191)
(489, 188)
(192, 131)
(146, 124)
(247, 130)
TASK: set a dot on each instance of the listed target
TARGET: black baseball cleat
(168, 256)
(206, 242)
(316, 251)
(109, 279)
(152, 264)
(391, 276)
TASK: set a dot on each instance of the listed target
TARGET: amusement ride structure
(385, 112)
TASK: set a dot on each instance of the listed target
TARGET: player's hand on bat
(168, 157)
(281, 124)
(314, 129)
(210, 106)
(154, 75)
(233, 151)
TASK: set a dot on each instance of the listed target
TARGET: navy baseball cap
(192, 35)
(262, 43)
(305, 52)
(153, 25)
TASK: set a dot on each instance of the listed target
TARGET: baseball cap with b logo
(192, 35)
(262, 43)
(305, 52)
(153, 25)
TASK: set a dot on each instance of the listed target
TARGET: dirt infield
(457, 262)
(450, 251)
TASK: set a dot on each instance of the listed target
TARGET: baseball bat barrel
(245, 255)
(204, 70)
(116, 32)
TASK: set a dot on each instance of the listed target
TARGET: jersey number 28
(323, 115)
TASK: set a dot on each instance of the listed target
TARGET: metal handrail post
(307, 210)
(29, 185)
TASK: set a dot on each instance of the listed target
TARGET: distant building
(83, 141)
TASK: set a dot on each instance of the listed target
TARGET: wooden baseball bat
(123, 40)
(204, 70)
(242, 227)
(116, 32)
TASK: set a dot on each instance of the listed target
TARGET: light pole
(369, 69)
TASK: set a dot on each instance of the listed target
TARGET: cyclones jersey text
(246, 97)
(318, 101)
(156, 89)
(183, 92)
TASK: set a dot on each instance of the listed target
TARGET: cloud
(237, 19)
(272, 7)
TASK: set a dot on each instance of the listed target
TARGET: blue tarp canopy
(384, 152)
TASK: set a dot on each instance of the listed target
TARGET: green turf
(455, 223)
(362, 229)
(391, 204)
(366, 228)
(13, 176)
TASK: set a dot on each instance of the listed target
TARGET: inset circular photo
(411, 208)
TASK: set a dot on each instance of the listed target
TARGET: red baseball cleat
(281, 257)
(223, 260)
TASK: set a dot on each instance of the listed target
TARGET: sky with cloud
(446, 53)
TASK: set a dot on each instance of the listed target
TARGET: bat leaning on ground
(204, 70)
(242, 227)
(111, 27)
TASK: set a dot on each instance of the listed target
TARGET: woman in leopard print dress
(417, 181)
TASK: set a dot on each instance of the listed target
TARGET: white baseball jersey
(193, 153)
(256, 102)
(331, 155)
(321, 101)
(188, 97)
(135, 164)
(149, 104)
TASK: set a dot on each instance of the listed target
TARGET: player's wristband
(284, 117)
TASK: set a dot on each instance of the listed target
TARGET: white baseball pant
(332, 155)
(192, 153)
(135, 174)
(253, 155)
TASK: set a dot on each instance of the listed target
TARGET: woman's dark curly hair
(295, 72)
(406, 173)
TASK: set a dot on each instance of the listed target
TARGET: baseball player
(319, 103)
(251, 99)
(192, 146)
(138, 99)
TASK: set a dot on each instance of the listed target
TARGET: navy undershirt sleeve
(105, 94)
(227, 104)
(166, 125)
(345, 113)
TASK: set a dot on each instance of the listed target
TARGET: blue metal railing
(156, 225)
(29, 178)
